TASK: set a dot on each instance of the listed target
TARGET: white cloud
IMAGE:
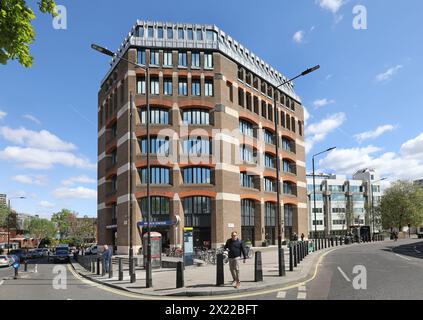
(36, 139)
(2, 114)
(388, 74)
(405, 164)
(331, 5)
(323, 102)
(80, 179)
(33, 158)
(373, 134)
(46, 204)
(298, 36)
(317, 132)
(26, 179)
(307, 115)
(75, 193)
(32, 118)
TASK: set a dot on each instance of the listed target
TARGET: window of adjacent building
(247, 213)
(293, 124)
(289, 166)
(195, 60)
(248, 78)
(208, 88)
(288, 210)
(159, 146)
(289, 188)
(196, 117)
(288, 122)
(358, 197)
(199, 35)
(197, 175)
(317, 210)
(197, 211)
(183, 87)
(241, 73)
(246, 128)
(167, 59)
(114, 183)
(337, 197)
(114, 213)
(169, 33)
(154, 86)
(241, 97)
(159, 206)
(154, 57)
(292, 105)
(160, 32)
(114, 157)
(158, 175)
(300, 128)
(263, 109)
(246, 180)
(182, 59)
(141, 57)
(247, 154)
(288, 145)
(263, 87)
(338, 222)
(338, 210)
(195, 87)
(197, 146)
(269, 137)
(141, 85)
(319, 222)
(270, 112)
(336, 188)
(157, 116)
(282, 98)
(269, 185)
(211, 35)
(270, 214)
(230, 91)
(256, 105)
(319, 196)
(356, 189)
(283, 121)
(255, 83)
(208, 61)
(190, 34)
(140, 32)
(150, 32)
(180, 34)
(167, 86)
(269, 161)
(248, 101)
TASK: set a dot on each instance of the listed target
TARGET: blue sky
(365, 99)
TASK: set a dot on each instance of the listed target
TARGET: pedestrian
(302, 236)
(106, 257)
(236, 248)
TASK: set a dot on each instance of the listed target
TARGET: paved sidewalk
(201, 280)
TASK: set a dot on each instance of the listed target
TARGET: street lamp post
(278, 200)
(373, 208)
(314, 189)
(8, 220)
(149, 280)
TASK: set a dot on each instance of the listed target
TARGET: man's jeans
(106, 264)
(234, 267)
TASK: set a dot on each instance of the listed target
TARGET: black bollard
(110, 267)
(25, 266)
(258, 267)
(291, 259)
(179, 275)
(321, 243)
(98, 266)
(340, 241)
(336, 241)
(302, 250)
(120, 269)
(220, 275)
(325, 243)
(295, 255)
(282, 263)
(16, 273)
(133, 275)
(298, 253)
(306, 248)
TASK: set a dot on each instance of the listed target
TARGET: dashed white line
(302, 295)
(344, 275)
(302, 288)
(402, 257)
(281, 295)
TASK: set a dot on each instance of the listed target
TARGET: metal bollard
(331, 242)
(25, 266)
(302, 251)
(326, 243)
(321, 243)
(336, 241)
(291, 259)
(98, 266)
(179, 275)
(110, 267)
(295, 256)
(103, 267)
(16, 273)
(307, 248)
(298, 253)
(340, 241)
(282, 272)
(120, 269)
(258, 267)
(220, 275)
(133, 274)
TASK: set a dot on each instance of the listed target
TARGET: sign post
(188, 247)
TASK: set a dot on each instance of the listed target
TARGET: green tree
(40, 228)
(401, 204)
(4, 212)
(65, 221)
(16, 30)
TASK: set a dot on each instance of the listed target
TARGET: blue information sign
(188, 247)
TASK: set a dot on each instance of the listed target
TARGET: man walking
(235, 247)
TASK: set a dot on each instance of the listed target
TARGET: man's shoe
(234, 283)
(238, 285)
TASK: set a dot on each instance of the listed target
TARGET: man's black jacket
(236, 247)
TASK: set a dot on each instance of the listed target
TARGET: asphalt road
(384, 270)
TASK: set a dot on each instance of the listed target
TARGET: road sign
(156, 223)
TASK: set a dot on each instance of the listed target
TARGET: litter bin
(156, 249)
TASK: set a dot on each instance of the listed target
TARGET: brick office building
(212, 139)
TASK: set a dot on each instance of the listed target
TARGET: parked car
(4, 261)
(36, 253)
(92, 250)
(61, 254)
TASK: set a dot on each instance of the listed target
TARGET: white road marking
(1, 282)
(281, 295)
(302, 288)
(402, 257)
(344, 275)
(415, 249)
(302, 295)
(36, 268)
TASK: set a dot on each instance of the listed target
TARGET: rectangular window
(154, 86)
(197, 147)
(180, 34)
(141, 57)
(160, 32)
(169, 33)
(196, 117)
(190, 34)
(140, 32)
(141, 85)
(208, 61)
(183, 87)
(199, 35)
(195, 87)
(150, 32)
(167, 59)
(211, 35)
(208, 89)
(157, 116)
(195, 60)
(167, 86)
(182, 59)
(154, 57)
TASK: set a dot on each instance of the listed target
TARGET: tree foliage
(16, 30)
(4, 211)
(40, 228)
(65, 221)
(401, 204)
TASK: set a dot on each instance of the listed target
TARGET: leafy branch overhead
(16, 30)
